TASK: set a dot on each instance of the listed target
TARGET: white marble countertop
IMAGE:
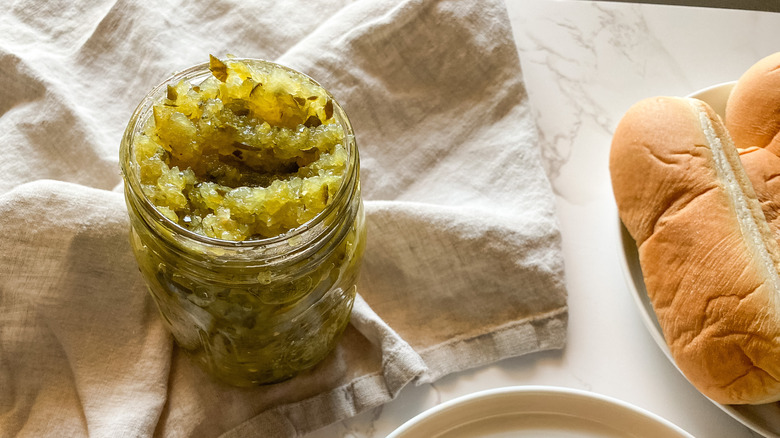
(584, 64)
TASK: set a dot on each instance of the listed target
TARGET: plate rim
(524, 391)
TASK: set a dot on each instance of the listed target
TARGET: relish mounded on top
(251, 152)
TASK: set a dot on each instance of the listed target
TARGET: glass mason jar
(254, 311)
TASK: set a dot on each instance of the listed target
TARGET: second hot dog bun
(709, 260)
(753, 109)
(763, 169)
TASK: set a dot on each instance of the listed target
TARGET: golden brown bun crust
(753, 109)
(763, 169)
(715, 299)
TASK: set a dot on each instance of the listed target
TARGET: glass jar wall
(261, 309)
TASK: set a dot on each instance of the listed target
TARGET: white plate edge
(527, 390)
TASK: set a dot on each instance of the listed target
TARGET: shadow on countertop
(754, 5)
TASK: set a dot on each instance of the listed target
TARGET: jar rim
(143, 111)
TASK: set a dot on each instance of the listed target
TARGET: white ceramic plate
(763, 419)
(536, 411)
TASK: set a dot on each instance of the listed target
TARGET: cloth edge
(517, 338)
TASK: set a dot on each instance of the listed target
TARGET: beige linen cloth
(463, 266)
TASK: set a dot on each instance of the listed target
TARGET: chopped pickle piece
(251, 152)
(218, 68)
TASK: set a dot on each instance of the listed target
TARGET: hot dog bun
(753, 109)
(752, 117)
(709, 260)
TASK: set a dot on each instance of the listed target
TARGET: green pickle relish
(243, 191)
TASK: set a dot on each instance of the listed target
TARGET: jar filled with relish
(243, 191)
